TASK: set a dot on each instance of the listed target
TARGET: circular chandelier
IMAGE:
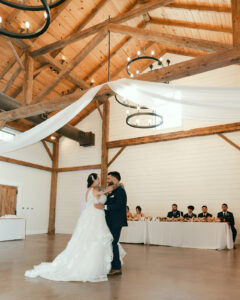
(150, 119)
(25, 33)
(130, 120)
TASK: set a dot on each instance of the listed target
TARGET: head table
(202, 235)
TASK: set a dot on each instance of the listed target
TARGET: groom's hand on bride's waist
(99, 206)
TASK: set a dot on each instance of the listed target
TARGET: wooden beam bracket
(115, 156)
(229, 141)
(47, 149)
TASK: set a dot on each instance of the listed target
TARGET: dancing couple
(93, 251)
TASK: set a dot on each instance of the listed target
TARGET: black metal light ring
(31, 8)
(141, 58)
(128, 105)
(32, 34)
(144, 114)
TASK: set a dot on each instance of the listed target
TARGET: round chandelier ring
(29, 35)
(31, 7)
(141, 58)
(144, 114)
(129, 105)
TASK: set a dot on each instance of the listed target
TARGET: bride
(88, 254)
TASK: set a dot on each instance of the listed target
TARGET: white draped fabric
(198, 103)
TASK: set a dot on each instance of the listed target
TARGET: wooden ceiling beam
(191, 25)
(87, 18)
(175, 135)
(28, 79)
(236, 21)
(68, 68)
(195, 6)
(159, 37)
(10, 64)
(47, 59)
(191, 67)
(96, 28)
(15, 54)
(11, 80)
(116, 49)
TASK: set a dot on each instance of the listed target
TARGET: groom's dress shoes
(115, 272)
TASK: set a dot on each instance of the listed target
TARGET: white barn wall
(72, 185)
(200, 170)
(33, 186)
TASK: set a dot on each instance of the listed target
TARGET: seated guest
(175, 213)
(204, 213)
(129, 215)
(228, 217)
(190, 213)
(139, 213)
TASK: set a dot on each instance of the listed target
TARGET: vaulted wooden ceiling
(190, 28)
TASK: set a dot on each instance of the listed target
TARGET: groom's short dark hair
(116, 175)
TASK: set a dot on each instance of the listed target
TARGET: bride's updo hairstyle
(91, 178)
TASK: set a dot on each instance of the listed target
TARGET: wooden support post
(115, 156)
(236, 21)
(28, 79)
(53, 195)
(105, 138)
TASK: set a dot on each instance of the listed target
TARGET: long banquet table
(12, 229)
(179, 234)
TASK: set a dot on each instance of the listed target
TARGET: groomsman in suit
(116, 217)
(190, 213)
(204, 213)
(228, 217)
(175, 213)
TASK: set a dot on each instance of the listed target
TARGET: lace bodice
(92, 199)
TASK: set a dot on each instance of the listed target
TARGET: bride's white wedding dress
(88, 254)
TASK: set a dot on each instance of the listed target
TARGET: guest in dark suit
(228, 217)
(116, 217)
(204, 213)
(190, 214)
(175, 213)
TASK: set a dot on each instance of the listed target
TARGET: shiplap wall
(33, 186)
(201, 170)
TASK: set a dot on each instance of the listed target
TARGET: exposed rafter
(194, 66)
(156, 36)
(191, 25)
(96, 28)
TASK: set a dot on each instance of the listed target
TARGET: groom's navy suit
(116, 218)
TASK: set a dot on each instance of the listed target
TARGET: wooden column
(236, 21)
(53, 194)
(105, 138)
(28, 79)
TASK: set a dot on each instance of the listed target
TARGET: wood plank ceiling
(204, 20)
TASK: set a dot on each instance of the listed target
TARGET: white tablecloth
(136, 232)
(12, 229)
(179, 234)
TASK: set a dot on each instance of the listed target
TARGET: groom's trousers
(116, 263)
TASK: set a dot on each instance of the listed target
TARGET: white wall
(200, 170)
(72, 185)
(33, 186)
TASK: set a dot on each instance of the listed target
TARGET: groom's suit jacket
(116, 213)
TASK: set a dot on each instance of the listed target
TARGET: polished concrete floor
(150, 272)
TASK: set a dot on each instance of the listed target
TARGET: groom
(116, 217)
